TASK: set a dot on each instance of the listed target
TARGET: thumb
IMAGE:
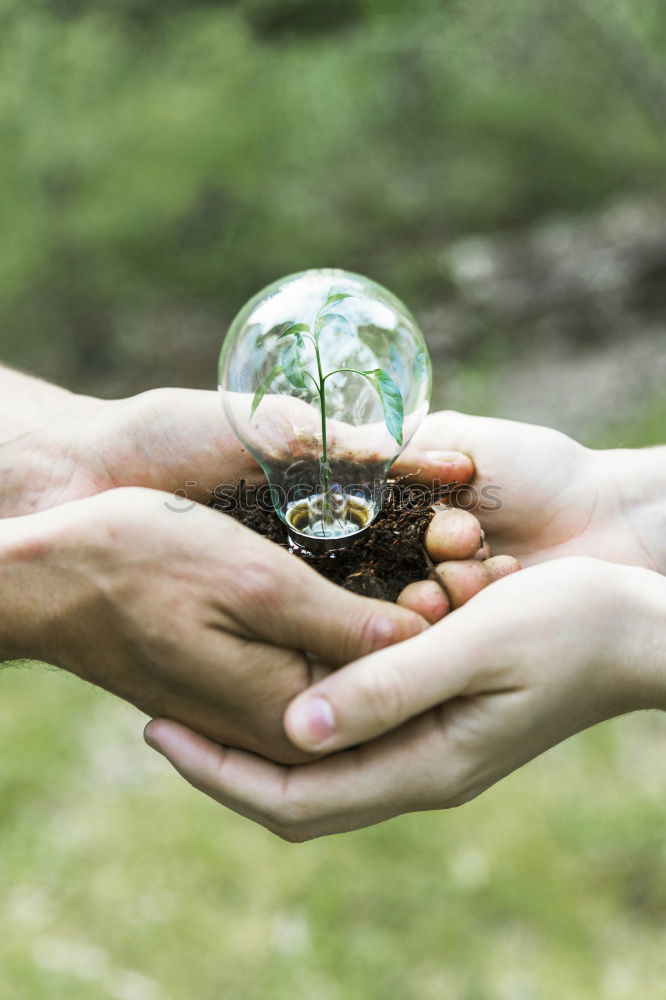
(434, 466)
(441, 449)
(337, 626)
(281, 600)
(385, 689)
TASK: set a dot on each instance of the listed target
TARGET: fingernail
(312, 722)
(442, 457)
(148, 738)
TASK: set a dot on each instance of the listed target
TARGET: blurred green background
(500, 167)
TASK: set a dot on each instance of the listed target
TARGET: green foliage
(294, 367)
(264, 387)
(294, 328)
(391, 398)
(551, 885)
(173, 156)
(336, 297)
(292, 363)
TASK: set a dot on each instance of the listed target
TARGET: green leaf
(336, 297)
(263, 388)
(294, 328)
(374, 338)
(326, 318)
(391, 397)
(292, 363)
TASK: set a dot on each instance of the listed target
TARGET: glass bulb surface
(325, 377)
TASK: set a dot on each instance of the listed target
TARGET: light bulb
(325, 377)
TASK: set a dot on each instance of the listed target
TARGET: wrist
(51, 454)
(636, 480)
(27, 597)
(642, 648)
(50, 580)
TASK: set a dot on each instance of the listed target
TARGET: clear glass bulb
(325, 377)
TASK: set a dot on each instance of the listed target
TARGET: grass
(119, 881)
(647, 428)
(180, 156)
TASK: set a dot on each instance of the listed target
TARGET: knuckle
(258, 583)
(449, 794)
(456, 782)
(466, 785)
(374, 629)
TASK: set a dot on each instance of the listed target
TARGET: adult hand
(57, 446)
(186, 615)
(65, 447)
(536, 657)
(540, 495)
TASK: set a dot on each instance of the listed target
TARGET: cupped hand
(186, 615)
(175, 440)
(180, 439)
(540, 495)
(451, 539)
(462, 565)
(540, 655)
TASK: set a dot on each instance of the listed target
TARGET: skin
(173, 607)
(192, 617)
(526, 663)
(453, 537)
(437, 720)
(453, 530)
(65, 447)
(428, 598)
(558, 498)
(56, 446)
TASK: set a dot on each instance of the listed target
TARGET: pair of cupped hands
(291, 701)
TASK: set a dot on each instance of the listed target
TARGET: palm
(540, 494)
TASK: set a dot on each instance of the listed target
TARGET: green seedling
(295, 369)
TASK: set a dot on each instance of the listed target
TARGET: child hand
(462, 566)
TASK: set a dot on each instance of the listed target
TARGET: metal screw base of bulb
(353, 516)
(318, 545)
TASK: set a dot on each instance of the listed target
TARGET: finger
(209, 767)
(499, 566)
(462, 579)
(383, 690)
(451, 430)
(427, 598)
(350, 790)
(434, 467)
(453, 534)
(338, 627)
(284, 601)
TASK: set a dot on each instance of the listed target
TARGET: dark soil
(379, 563)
